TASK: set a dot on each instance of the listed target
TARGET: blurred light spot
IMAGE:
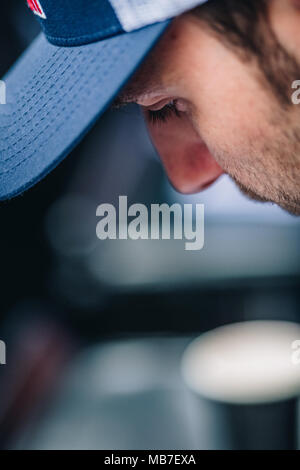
(246, 362)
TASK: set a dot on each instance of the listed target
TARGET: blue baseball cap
(87, 51)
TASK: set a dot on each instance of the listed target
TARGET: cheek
(188, 163)
(230, 102)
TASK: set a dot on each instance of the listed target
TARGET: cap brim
(55, 94)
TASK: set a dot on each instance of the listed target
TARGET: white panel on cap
(135, 14)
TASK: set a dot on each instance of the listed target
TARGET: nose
(187, 160)
(192, 169)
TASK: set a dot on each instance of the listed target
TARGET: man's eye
(163, 114)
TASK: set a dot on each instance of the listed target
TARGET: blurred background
(95, 331)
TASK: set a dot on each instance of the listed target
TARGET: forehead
(161, 68)
(148, 77)
(143, 82)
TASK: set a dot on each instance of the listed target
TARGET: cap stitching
(85, 37)
(49, 137)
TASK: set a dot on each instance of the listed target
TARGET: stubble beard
(270, 173)
(272, 167)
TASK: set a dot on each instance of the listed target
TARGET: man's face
(211, 111)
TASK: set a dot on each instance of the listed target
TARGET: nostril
(186, 186)
(209, 183)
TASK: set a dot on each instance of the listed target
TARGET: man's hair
(236, 20)
(244, 26)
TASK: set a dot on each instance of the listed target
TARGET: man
(216, 90)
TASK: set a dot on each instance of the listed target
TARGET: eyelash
(163, 114)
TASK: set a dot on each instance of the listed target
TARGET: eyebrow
(122, 100)
(134, 92)
(130, 94)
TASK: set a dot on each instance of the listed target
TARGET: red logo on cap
(36, 7)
